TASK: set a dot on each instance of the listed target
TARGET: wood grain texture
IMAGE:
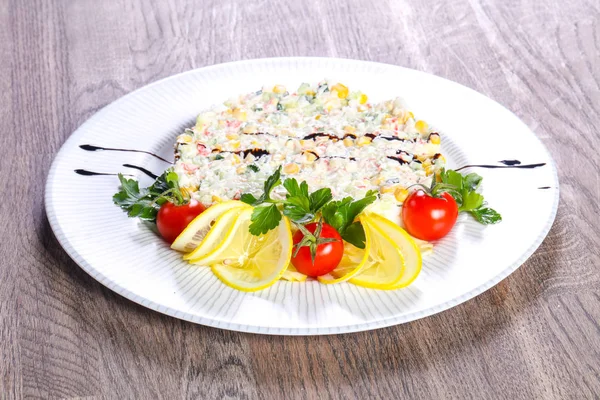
(63, 335)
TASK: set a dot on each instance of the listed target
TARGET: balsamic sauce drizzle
(544, 187)
(510, 162)
(258, 153)
(525, 166)
(85, 172)
(89, 147)
(144, 170)
(319, 157)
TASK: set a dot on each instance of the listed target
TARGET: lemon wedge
(408, 247)
(196, 230)
(247, 262)
(222, 229)
(353, 261)
(384, 267)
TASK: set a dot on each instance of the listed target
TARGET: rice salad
(320, 133)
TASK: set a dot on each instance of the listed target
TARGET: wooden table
(63, 335)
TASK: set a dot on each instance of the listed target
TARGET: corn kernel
(184, 139)
(307, 144)
(362, 108)
(428, 170)
(349, 129)
(434, 138)
(279, 89)
(232, 136)
(411, 115)
(310, 157)
(240, 114)
(342, 91)
(363, 99)
(363, 141)
(217, 147)
(348, 142)
(318, 117)
(291, 168)
(241, 169)
(421, 126)
(235, 144)
(377, 181)
(250, 129)
(310, 93)
(216, 199)
(426, 163)
(236, 159)
(401, 194)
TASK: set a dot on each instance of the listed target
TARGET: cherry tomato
(429, 218)
(172, 219)
(328, 255)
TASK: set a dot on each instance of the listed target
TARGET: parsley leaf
(319, 198)
(472, 181)
(341, 215)
(253, 167)
(355, 235)
(145, 203)
(453, 178)
(470, 201)
(248, 198)
(293, 189)
(301, 207)
(486, 215)
(463, 188)
(297, 208)
(264, 218)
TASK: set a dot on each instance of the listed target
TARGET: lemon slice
(291, 274)
(222, 228)
(352, 262)
(384, 267)
(247, 262)
(196, 230)
(408, 247)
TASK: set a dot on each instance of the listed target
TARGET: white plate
(126, 256)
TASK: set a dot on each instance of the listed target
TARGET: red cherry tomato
(328, 254)
(429, 218)
(172, 219)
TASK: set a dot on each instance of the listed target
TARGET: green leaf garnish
(486, 215)
(463, 188)
(145, 203)
(264, 218)
(355, 234)
(341, 215)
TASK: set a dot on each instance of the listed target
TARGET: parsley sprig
(145, 202)
(463, 188)
(302, 207)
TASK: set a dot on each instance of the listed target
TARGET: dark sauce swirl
(89, 147)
